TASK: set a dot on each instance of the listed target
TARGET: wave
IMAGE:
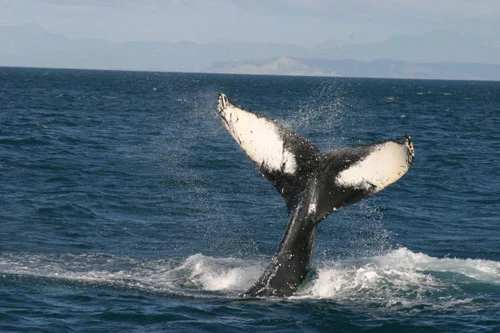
(402, 278)
(191, 277)
(397, 279)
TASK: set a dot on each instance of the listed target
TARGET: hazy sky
(302, 22)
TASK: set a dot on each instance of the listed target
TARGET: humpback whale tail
(312, 184)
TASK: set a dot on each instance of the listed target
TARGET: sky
(299, 22)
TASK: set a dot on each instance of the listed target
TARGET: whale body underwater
(312, 184)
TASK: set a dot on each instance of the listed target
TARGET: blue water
(125, 206)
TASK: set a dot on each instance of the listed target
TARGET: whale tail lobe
(311, 183)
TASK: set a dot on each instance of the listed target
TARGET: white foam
(482, 270)
(400, 278)
(215, 274)
(196, 273)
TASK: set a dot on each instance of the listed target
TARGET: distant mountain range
(438, 55)
(380, 68)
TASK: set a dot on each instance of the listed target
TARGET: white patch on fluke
(258, 136)
(314, 200)
(386, 163)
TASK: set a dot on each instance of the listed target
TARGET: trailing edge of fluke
(312, 184)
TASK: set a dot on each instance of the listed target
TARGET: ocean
(125, 206)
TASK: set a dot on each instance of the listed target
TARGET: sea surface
(125, 206)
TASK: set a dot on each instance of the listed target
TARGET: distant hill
(438, 46)
(411, 56)
(381, 68)
(30, 45)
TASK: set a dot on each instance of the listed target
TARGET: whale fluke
(312, 184)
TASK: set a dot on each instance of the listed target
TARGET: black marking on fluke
(312, 184)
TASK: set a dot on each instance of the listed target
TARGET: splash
(400, 279)
(326, 109)
(192, 277)
(216, 274)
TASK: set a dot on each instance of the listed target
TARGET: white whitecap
(400, 278)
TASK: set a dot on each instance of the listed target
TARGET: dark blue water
(125, 206)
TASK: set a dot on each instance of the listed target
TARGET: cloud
(457, 9)
(304, 22)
